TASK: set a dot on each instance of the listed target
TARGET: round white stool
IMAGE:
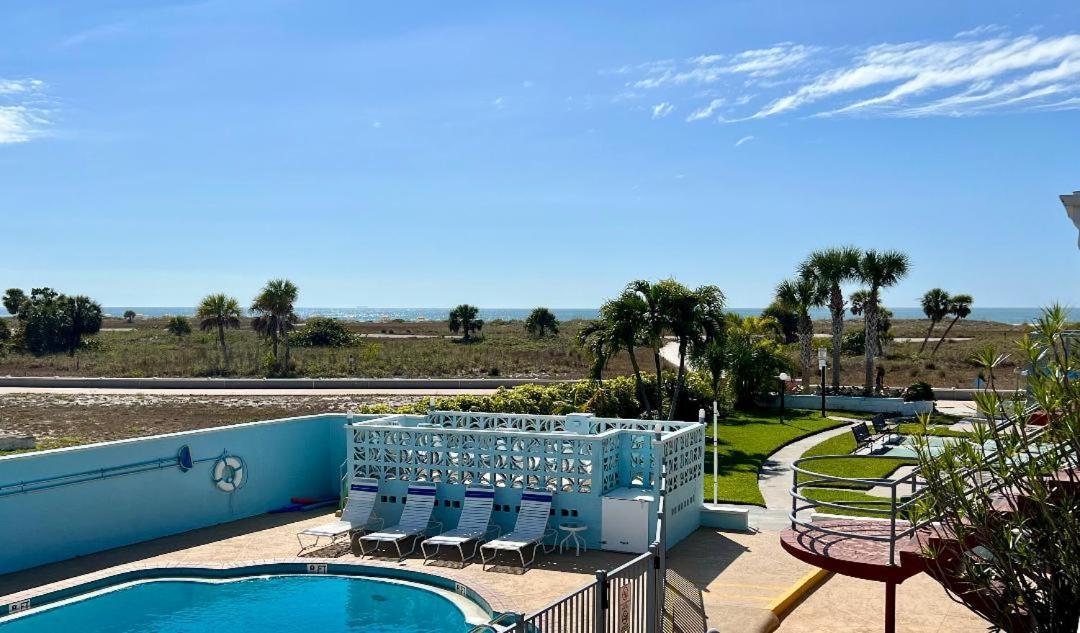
(573, 529)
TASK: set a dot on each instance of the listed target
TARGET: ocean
(1001, 315)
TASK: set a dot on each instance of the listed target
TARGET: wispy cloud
(707, 111)
(498, 102)
(983, 69)
(23, 110)
(662, 109)
(745, 139)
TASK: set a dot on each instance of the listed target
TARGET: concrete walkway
(774, 480)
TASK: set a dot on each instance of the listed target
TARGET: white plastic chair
(358, 514)
(415, 521)
(473, 526)
(531, 529)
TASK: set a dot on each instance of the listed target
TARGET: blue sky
(512, 154)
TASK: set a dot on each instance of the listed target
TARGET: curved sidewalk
(774, 479)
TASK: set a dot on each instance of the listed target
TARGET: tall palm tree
(935, 305)
(624, 318)
(801, 295)
(463, 319)
(691, 316)
(959, 308)
(597, 338)
(221, 312)
(832, 268)
(653, 326)
(877, 270)
(275, 315)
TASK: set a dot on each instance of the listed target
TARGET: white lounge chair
(358, 514)
(473, 526)
(530, 529)
(414, 523)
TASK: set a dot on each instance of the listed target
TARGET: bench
(883, 428)
(862, 435)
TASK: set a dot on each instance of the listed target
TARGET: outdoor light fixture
(822, 361)
(784, 378)
(1072, 207)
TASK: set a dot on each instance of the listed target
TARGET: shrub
(322, 332)
(5, 331)
(52, 322)
(542, 322)
(129, 316)
(179, 326)
(918, 391)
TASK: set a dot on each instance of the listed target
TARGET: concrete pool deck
(724, 580)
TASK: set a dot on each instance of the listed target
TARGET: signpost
(822, 361)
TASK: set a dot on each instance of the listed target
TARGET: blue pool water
(276, 604)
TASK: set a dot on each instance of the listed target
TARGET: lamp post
(822, 361)
(784, 378)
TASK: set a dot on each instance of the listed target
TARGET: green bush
(919, 391)
(322, 332)
(614, 397)
(179, 326)
(5, 331)
(53, 322)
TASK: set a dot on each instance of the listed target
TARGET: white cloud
(980, 70)
(745, 139)
(23, 112)
(376, 124)
(497, 102)
(705, 112)
(662, 109)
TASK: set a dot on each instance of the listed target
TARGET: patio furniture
(862, 436)
(530, 530)
(884, 428)
(473, 525)
(573, 531)
(358, 514)
(414, 523)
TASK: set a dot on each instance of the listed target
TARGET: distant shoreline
(1012, 316)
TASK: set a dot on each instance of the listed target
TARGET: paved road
(247, 392)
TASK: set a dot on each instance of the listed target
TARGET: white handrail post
(715, 454)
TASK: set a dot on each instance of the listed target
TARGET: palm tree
(877, 270)
(959, 308)
(652, 329)
(541, 321)
(801, 295)
(691, 316)
(832, 268)
(624, 320)
(179, 326)
(275, 315)
(221, 312)
(83, 316)
(129, 316)
(935, 305)
(597, 338)
(463, 319)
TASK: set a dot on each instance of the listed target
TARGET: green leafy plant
(877, 270)
(542, 322)
(323, 332)
(219, 312)
(800, 295)
(129, 316)
(274, 317)
(935, 305)
(959, 308)
(464, 319)
(1001, 510)
(179, 326)
(53, 322)
(918, 391)
(833, 268)
(13, 298)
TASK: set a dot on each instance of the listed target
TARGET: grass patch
(864, 502)
(745, 440)
(45, 444)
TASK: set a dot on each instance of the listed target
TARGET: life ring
(228, 473)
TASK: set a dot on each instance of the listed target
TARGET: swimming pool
(330, 604)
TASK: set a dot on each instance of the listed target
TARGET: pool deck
(724, 580)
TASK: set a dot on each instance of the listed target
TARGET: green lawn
(864, 502)
(745, 439)
(860, 467)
